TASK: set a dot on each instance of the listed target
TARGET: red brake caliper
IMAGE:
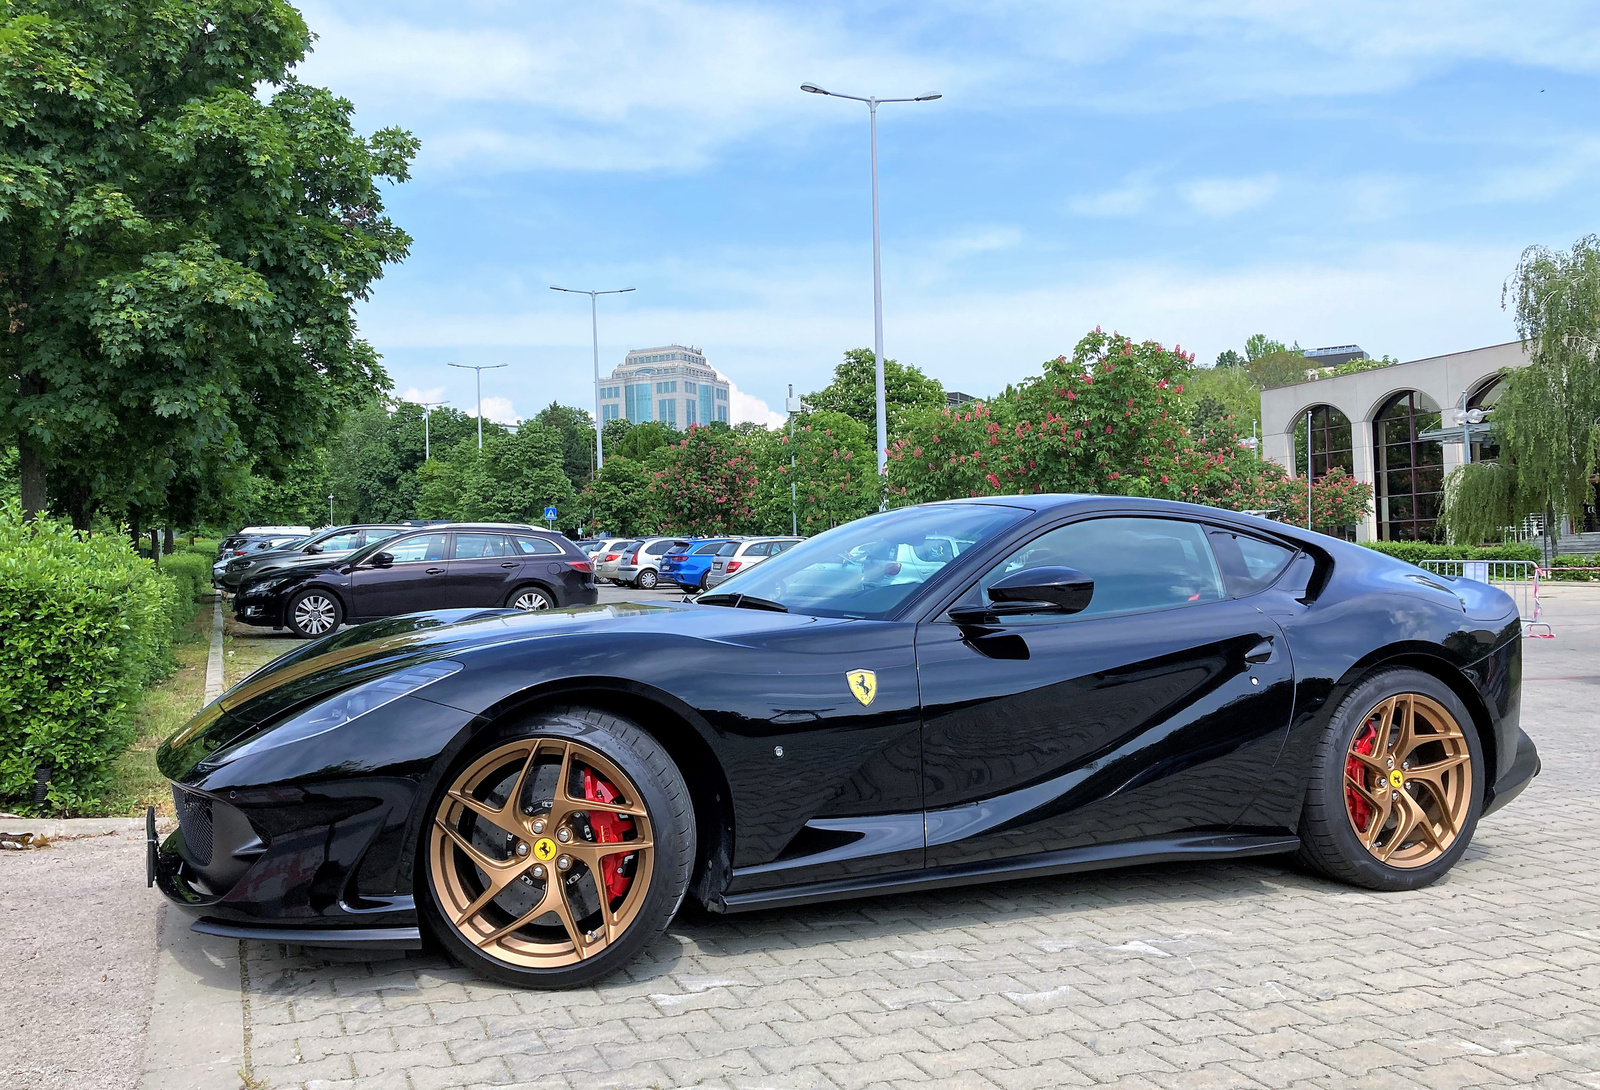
(1360, 811)
(608, 829)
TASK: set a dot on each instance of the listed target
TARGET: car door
(1157, 711)
(415, 581)
(483, 569)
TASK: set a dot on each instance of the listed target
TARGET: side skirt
(375, 938)
(1095, 857)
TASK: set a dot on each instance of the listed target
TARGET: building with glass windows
(672, 384)
(1394, 428)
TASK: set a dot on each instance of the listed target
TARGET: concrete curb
(214, 675)
(64, 827)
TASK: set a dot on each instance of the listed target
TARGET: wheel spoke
(1433, 772)
(1405, 822)
(1443, 802)
(1406, 740)
(490, 865)
(495, 817)
(1380, 818)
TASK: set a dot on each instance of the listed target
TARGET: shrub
(190, 575)
(1557, 563)
(1413, 551)
(86, 625)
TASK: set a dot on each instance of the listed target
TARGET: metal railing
(1518, 578)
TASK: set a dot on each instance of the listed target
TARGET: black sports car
(437, 567)
(949, 693)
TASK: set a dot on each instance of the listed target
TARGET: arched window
(1330, 442)
(1408, 472)
(1485, 448)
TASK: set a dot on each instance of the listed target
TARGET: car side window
(1138, 564)
(423, 547)
(1249, 564)
(762, 548)
(374, 536)
(537, 546)
(340, 543)
(728, 548)
(481, 546)
(658, 548)
(707, 550)
(782, 546)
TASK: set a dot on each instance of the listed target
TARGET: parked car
(463, 566)
(1091, 682)
(687, 567)
(251, 533)
(250, 547)
(740, 556)
(641, 566)
(330, 544)
(609, 558)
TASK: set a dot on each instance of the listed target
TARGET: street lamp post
(330, 508)
(427, 412)
(877, 263)
(594, 329)
(480, 368)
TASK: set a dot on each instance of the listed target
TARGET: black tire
(313, 613)
(532, 599)
(1329, 842)
(646, 580)
(665, 797)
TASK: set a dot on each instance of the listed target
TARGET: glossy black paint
(1015, 746)
(368, 589)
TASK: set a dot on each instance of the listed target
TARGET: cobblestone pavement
(1177, 976)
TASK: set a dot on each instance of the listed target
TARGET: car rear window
(708, 550)
(728, 548)
(538, 546)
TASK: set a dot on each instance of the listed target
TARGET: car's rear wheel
(531, 598)
(646, 580)
(558, 850)
(313, 613)
(1397, 789)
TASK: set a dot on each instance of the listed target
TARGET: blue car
(687, 566)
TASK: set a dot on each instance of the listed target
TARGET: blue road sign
(549, 514)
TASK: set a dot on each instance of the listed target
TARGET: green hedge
(87, 625)
(1413, 551)
(1559, 562)
(190, 574)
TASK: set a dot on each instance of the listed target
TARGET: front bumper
(1524, 766)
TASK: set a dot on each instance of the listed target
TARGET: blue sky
(1187, 170)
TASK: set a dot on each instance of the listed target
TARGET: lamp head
(812, 88)
(926, 98)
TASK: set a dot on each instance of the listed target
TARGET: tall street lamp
(480, 368)
(427, 411)
(594, 328)
(877, 264)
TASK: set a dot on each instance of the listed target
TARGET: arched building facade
(1392, 427)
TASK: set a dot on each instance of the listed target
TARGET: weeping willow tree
(1548, 419)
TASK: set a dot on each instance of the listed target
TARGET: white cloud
(1128, 199)
(498, 409)
(431, 396)
(1223, 197)
(744, 407)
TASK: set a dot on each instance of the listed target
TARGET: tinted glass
(412, 550)
(658, 548)
(1137, 564)
(708, 550)
(482, 546)
(382, 535)
(537, 546)
(760, 548)
(783, 546)
(341, 543)
(1249, 564)
(870, 567)
(727, 548)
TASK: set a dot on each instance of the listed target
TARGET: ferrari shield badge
(863, 685)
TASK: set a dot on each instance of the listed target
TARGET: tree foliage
(704, 484)
(829, 463)
(181, 254)
(854, 391)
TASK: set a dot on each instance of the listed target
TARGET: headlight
(255, 589)
(338, 710)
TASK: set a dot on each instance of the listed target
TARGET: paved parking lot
(1175, 976)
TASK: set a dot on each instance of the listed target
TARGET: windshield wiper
(743, 601)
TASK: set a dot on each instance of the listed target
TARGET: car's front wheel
(558, 849)
(531, 598)
(1397, 786)
(313, 613)
(646, 580)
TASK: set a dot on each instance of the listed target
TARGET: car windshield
(870, 567)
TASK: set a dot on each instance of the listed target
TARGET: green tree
(373, 462)
(854, 391)
(576, 428)
(524, 476)
(1229, 358)
(1548, 419)
(615, 499)
(1258, 345)
(703, 484)
(187, 231)
(639, 441)
(1224, 393)
(829, 463)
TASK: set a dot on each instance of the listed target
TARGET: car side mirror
(382, 560)
(313, 549)
(1033, 590)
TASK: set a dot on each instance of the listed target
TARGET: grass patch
(135, 782)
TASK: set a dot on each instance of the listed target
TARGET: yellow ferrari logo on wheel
(544, 849)
(863, 685)
(1396, 778)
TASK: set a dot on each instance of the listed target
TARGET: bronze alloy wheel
(541, 853)
(1408, 780)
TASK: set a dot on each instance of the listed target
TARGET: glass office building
(672, 384)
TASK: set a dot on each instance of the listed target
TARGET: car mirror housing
(313, 548)
(1033, 590)
(382, 560)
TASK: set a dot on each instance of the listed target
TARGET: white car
(740, 556)
(641, 567)
(608, 558)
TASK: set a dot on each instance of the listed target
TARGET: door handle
(435, 571)
(1265, 651)
(508, 564)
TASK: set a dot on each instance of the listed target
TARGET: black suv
(447, 567)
